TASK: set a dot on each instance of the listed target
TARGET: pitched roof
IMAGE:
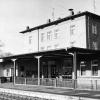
(61, 20)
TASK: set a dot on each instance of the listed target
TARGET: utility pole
(94, 6)
(53, 14)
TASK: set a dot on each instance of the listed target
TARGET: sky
(15, 15)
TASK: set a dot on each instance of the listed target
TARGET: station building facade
(67, 48)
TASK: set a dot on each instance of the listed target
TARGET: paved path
(53, 93)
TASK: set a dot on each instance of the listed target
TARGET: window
(83, 68)
(48, 47)
(72, 29)
(72, 43)
(94, 66)
(95, 70)
(94, 29)
(56, 46)
(72, 35)
(7, 72)
(42, 48)
(30, 50)
(30, 39)
(67, 68)
(56, 33)
(49, 35)
(22, 68)
(42, 37)
(95, 46)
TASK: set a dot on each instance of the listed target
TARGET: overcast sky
(15, 15)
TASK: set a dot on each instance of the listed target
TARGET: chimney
(49, 20)
(79, 12)
(71, 12)
(27, 28)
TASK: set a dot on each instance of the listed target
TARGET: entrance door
(53, 71)
(67, 68)
(49, 69)
(45, 70)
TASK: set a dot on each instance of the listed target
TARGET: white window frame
(56, 33)
(30, 39)
(42, 37)
(49, 35)
(42, 48)
(7, 72)
(48, 47)
(94, 64)
(72, 29)
(56, 46)
(83, 65)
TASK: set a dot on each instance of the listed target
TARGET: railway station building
(60, 53)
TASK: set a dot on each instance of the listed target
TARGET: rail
(68, 83)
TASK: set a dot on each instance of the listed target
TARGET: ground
(57, 91)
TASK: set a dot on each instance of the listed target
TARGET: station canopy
(55, 53)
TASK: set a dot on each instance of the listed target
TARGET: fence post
(55, 82)
(75, 83)
(25, 80)
(96, 84)
(91, 84)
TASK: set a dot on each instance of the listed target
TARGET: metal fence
(47, 81)
(93, 84)
(68, 83)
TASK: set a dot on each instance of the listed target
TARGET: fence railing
(69, 83)
(23, 80)
(93, 84)
(47, 81)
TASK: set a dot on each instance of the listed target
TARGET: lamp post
(38, 57)
(14, 61)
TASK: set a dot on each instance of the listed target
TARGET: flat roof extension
(60, 52)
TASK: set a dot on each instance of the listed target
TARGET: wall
(31, 41)
(92, 61)
(93, 33)
(71, 33)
